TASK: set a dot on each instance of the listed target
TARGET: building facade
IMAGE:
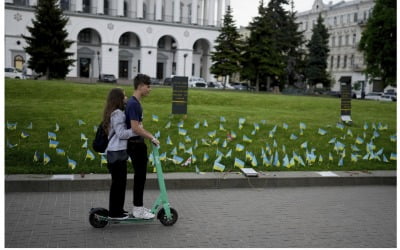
(345, 22)
(126, 37)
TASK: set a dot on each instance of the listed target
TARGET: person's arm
(118, 123)
(137, 129)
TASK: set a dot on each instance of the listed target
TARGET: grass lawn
(43, 104)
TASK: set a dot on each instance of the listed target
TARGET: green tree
(318, 52)
(378, 42)
(262, 58)
(48, 42)
(226, 57)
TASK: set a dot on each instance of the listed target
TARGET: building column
(109, 59)
(219, 14)
(120, 8)
(151, 10)
(148, 59)
(139, 9)
(200, 15)
(31, 2)
(211, 12)
(100, 6)
(194, 12)
(158, 10)
(177, 11)
(78, 6)
(227, 3)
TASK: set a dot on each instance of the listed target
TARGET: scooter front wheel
(163, 217)
(94, 217)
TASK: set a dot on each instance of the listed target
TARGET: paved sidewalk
(306, 217)
(93, 182)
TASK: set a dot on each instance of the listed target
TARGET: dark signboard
(179, 95)
(345, 89)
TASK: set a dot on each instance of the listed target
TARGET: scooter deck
(130, 219)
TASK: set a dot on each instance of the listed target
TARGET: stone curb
(96, 182)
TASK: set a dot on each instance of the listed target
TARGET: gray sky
(245, 10)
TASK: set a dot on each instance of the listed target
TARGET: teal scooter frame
(98, 217)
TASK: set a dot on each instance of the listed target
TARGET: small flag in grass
(354, 157)
(60, 151)
(169, 142)
(194, 159)
(276, 163)
(57, 128)
(349, 133)
(177, 160)
(182, 131)
(53, 144)
(222, 119)
(36, 156)
(247, 139)
(168, 125)
(51, 135)
(229, 154)
(221, 127)
(154, 118)
(12, 126)
(239, 147)
(24, 135)
(205, 123)
(80, 122)
(359, 140)
(9, 145)
(157, 134)
(304, 145)
(189, 151)
(225, 144)
(340, 163)
(163, 156)
(302, 125)
(212, 134)
(204, 142)
(266, 161)
(375, 134)
(256, 126)
(95, 128)
(205, 157)
(384, 159)
(321, 131)
(233, 134)
(46, 159)
(365, 125)
(393, 138)
(293, 137)
(83, 137)
(174, 151)
(254, 162)
(85, 144)
(393, 156)
(218, 166)
(285, 162)
(340, 126)
(215, 142)
(238, 163)
(180, 124)
(188, 139)
(242, 121)
(285, 126)
(71, 163)
(90, 155)
(332, 141)
(103, 160)
(354, 148)
(330, 156)
(30, 126)
(197, 125)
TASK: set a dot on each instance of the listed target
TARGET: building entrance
(84, 67)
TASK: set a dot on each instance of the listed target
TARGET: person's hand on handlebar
(155, 141)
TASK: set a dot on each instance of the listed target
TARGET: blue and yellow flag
(375, 134)
(393, 156)
(274, 129)
(354, 148)
(181, 146)
(276, 163)
(177, 160)
(80, 123)
(238, 163)
(85, 144)
(222, 119)
(212, 134)
(30, 126)
(103, 160)
(71, 163)
(256, 126)
(219, 153)
(90, 155)
(196, 144)
(354, 157)
(57, 128)
(247, 139)
(9, 145)
(154, 118)
(53, 144)
(83, 137)
(359, 140)
(180, 124)
(168, 125)
(340, 163)
(233, 134)
(182, 131)
(349, 133)
(242, 121)
(384, 159)
(330, 157)
(12, 126)
(285, 126)
(321, 131)
(229, 154)
(205, 142)
(60, 151)
(304, 145)
(197, 125)
(215, 142)
(46, 159)
(332, 141)
(293, 137)
(221, 127)
(239, 147)
(157, 134)
(205, 157)
(393, 138)
(51, 136)
(254, 162)
(339, 126)
(286, 162)
(169, 142)
(205, 123)
(266, 161)
(189, 151)
(188, 139)
(36, 156)
(224, 144)
(302, 125)
(24, 135)
(218, 166)
(174, 151)
(163, 156)
(194, 159)
(365, 125)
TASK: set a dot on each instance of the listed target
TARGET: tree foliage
(48, 42)
(226, 56)
(318, 52)
(378, 42)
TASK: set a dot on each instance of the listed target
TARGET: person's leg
(118, 186)
(138, 154)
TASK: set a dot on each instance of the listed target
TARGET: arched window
(18, 62)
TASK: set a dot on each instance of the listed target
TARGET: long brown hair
(115, 100)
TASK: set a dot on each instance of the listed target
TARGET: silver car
(13, 73)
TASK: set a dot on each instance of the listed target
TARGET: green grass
(45, 103)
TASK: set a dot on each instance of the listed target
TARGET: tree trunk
(48, 73)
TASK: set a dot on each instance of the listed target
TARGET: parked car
(215, 85)
(197, 82)
(13, 73)
(386, 98)
(107, 78)
(392, 94)
(167, 81)
(155, 81)
(373, 96)
(243, 86)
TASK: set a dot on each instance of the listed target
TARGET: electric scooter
(98, 217)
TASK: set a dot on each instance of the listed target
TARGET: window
(347, 40)
(333, 41)
(352, 60)
(338, 62)
(354, 38)
(365, 15)
(355, 17)
(106, 7)
(86, 6)
(18, 62)
(341, 19)
(332, 61)
(85, 36)
(345, 61)
(161, 43)
(340, 41)
(124, 40)
(64, 4)
(348, 18)
(335, 20)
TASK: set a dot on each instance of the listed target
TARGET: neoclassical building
(126, 37)
(345, 22)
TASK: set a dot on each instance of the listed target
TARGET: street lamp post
(173, 48)
(184, 64)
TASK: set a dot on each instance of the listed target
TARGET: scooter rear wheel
(93, 217)
(163, 217)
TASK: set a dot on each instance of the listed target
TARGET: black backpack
(100, 141)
